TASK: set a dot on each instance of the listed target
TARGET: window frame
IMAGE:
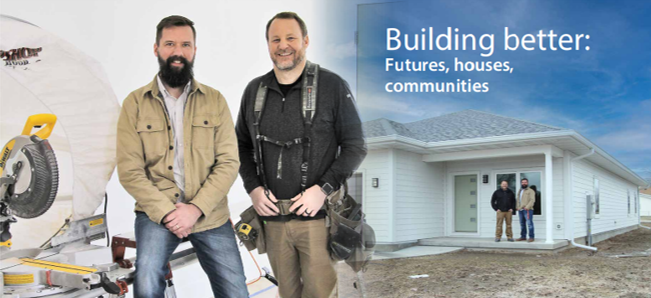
(518, 178)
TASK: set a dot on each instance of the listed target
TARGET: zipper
(282, 108)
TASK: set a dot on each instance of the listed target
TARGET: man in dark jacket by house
(503, 202)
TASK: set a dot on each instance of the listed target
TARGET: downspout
(572, 200)
(639, 210)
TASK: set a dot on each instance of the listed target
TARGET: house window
(629, 201)
(514, 179)
(596, 195)
(510, 178)
(355, 187)
(535, 183)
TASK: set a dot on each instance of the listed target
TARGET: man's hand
(264, 206)
(309, 202)
(510, 210)
(181, 220)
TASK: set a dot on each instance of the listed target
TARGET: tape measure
(246, 232)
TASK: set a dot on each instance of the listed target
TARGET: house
(645, 202)
(432, 179)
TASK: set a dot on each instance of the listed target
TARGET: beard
(299, 56)
(173, 76)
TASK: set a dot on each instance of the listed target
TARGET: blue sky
(603, 93)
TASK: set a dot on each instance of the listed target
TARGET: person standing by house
(525, 201)
(503, 202)
(177, 156)
(289, 166)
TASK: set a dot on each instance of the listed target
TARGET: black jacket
(503, 200)
(336, 128)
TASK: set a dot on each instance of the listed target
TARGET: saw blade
(42, 172)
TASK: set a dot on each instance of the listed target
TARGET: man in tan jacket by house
(524, 204)
(177, 156)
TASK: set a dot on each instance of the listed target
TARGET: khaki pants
(299, 257)
(501, 217)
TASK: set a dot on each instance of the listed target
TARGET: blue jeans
(526, 221)
(216, 250)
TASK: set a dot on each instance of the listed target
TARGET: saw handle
(39, 120)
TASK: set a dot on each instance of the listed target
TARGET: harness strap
(308, 107)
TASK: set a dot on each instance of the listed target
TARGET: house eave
(417, 146)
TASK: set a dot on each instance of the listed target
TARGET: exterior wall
(645, 205)
(487, 220)
(419, 201)
(413, 197)
(613, 199)
(378, 202)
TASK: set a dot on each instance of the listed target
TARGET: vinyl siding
(645, 204)
(419, 209)
(613, 199)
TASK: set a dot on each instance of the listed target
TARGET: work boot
(530, 240)
(510, 240)
(521, 239)
(498, 239)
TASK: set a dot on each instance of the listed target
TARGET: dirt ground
(570, 273)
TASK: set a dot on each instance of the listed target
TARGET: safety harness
(350, 238)
(308, 99)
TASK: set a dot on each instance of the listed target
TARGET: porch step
(539, 244)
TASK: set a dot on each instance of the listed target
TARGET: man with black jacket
(503, 202)
(298, 164)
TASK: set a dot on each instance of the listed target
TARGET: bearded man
(177, 156)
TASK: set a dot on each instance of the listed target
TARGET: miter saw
(67, 265)
(29, 175)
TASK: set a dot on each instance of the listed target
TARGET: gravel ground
(571, 273)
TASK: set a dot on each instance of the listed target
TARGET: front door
(465, 203)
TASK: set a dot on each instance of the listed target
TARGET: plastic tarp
(42, 73)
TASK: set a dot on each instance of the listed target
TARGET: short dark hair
(524, 179)
(174, 21)
(287, 15)
(504, 181)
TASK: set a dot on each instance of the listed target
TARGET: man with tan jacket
(177, 156)
(524, 204)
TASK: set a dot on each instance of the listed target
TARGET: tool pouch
(351, 239)
(256, 237)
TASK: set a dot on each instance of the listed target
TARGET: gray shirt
(175, 108)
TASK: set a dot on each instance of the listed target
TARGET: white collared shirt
(175, 108)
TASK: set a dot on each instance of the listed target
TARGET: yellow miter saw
(29, 176)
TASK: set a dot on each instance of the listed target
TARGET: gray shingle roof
(467, 124)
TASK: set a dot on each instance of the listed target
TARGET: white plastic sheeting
(42, 73)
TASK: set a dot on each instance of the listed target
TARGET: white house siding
(645, 204)
(613, 197)
(490, 167)
(419, 204)
(377, 202)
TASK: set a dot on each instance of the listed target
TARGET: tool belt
(351, 238)
(250, 228)
(285, 215)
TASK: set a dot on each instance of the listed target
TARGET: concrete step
(538, 244)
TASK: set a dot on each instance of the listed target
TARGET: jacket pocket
(154, 138)
(203, 131)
